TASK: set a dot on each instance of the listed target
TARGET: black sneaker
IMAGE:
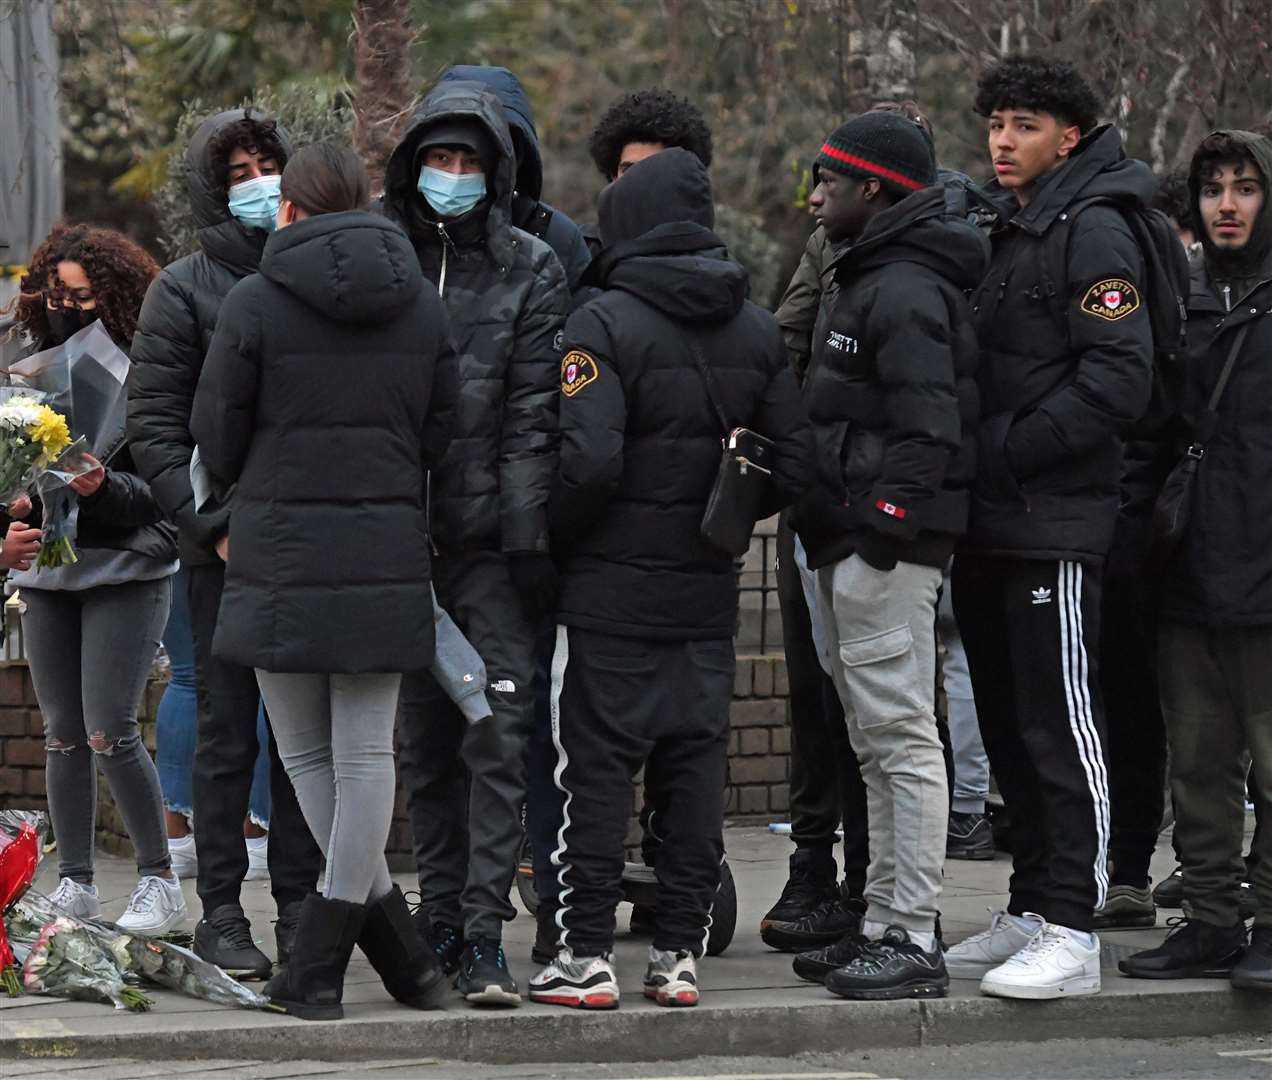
(484, 978)
(827, 923)
(1194, 950)
(893, 967)
(1254, 970)
(970, 836)
(224, 937)
(1170, 892)
(1125, 907)
(285, 930)
(1247, 901)
(446, 941)
(817, 964)
(810, 884)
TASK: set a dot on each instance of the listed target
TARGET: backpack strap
(704, 369)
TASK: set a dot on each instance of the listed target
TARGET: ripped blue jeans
(90, 654)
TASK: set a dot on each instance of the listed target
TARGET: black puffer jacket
(640, 441)
(321, 398)
(173, 334)
(891, 390)
(1056, 401)
(1222, 574)
(529, 211)
(507, 301)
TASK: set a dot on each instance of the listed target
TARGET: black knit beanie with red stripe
(881, 144)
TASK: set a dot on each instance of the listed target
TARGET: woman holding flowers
(91, 625)
(320, 399)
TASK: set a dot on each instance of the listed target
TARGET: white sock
(257, 842)
(872, 929)
(1082, 937)
(926, 942)
(1021, 923)
(181, 841)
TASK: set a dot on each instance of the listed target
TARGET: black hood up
(221, 235)
(918, 229)
(656, 223)
(355, 267)
(1098, 168)
(455, 100)
(1250, 260)
(512, 96)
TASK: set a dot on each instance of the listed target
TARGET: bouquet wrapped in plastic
(67, 961)
(19, 857)
(84, 381)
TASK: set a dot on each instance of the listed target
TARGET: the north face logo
(1042, 596)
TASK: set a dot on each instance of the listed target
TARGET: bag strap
(1210, 418)
(704, 369)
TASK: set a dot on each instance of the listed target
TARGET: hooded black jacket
(1056, 401)
(640, 442)
(529, 211)
(507, 300)
(324, 397)
(891, 390)
(1222, 573)
(174, 331)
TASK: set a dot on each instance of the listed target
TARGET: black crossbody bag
(743, 479)
(1173, 508)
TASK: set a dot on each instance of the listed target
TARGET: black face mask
(66, 321)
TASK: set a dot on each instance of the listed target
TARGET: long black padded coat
(174, 331)
(640, 442)
(326, 396)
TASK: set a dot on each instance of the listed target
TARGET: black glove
(877, 550)
(534, 576)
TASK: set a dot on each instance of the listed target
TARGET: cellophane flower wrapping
(32, 436)
(68, 961)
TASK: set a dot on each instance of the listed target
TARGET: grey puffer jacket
(174, 331)
(507, 299)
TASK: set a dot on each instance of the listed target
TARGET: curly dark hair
(1032, 82)
(653, 116)
(1171, 198)
(119, 271)
(255, 134)
(910, 110)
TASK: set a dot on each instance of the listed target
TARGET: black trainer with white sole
(484, 978)
(891, 968)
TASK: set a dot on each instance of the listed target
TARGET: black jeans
(1137, 733)
(618, 703)
(826, 784)
(224, 759)
(465, 783)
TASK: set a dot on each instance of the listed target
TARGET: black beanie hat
(459, 131)
(884, 145)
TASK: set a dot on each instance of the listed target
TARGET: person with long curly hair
(92, 627)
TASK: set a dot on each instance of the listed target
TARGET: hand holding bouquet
(32, 438)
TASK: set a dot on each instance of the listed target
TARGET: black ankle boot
(405, 962)
(312, 984)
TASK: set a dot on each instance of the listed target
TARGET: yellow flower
(51, 432)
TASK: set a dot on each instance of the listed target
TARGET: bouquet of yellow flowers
(32, 438)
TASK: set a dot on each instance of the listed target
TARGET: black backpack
(1165, 264)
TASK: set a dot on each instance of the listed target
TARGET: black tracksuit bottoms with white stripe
(1031, 629)
(617, 703)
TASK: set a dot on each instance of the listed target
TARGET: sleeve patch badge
(577, 371)
(1111, 299)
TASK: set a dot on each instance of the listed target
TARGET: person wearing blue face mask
(449, 184)
(232, 170)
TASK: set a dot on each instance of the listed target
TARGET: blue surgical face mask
(451, 194)
(255, 202)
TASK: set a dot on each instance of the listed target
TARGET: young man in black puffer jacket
(643, 668)
(449, 184)
(893, 403)
(232, 168)
(1066, 368)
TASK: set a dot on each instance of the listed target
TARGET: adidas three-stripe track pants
(1031, 629)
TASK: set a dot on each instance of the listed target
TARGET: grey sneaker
(76, 899)
(1125, 907)
(671, 977)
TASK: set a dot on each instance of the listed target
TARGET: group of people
(432, 462)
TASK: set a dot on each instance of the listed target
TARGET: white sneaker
(979, 954)
(76, 899)
(1053, 965)
(185, 859)
(154, 908)
(257, 858)
(671, 978)
(586, 983)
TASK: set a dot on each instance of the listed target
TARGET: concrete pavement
(752, 1003)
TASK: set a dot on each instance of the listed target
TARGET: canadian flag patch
(890, 508)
